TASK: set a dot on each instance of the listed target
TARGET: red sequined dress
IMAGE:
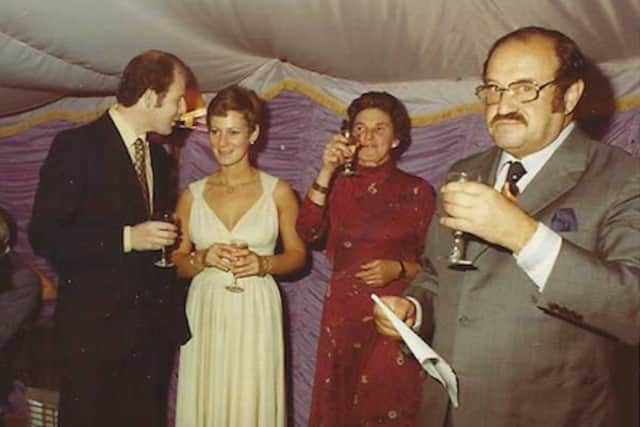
(363, 378)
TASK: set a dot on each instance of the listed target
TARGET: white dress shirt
(129, 137)
(539, 254)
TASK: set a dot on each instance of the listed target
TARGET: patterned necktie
(515, 172)
(140, 164)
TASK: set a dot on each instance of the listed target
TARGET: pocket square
(564, 219)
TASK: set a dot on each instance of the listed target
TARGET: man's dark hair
(153, 70)
(389, 104)
(572, 62)
(237, 98)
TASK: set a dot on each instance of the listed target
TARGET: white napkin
(435, 365)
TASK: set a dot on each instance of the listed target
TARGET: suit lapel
(559, 175)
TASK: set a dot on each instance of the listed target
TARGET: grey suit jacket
(552, 359)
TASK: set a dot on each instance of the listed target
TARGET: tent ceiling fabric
(76, 47)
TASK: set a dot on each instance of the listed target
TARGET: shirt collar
(125, 130)
(535, 161)
(376, 172)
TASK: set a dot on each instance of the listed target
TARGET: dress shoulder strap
(197, 188)
(268, 182)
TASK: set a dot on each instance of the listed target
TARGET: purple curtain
(290, 148)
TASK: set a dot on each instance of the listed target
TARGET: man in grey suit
(538, 330)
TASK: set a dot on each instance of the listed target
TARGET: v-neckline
(244, 214)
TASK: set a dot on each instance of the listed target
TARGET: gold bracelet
(264, 265)
(269, 266)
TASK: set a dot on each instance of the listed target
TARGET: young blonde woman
(232, 370)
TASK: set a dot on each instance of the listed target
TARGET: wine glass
(352, 146)
(457, 255)
(193, 120)
(233, 286)
(165, 261)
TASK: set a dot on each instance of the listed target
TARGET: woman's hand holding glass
(221, 256)
(247, 263)
(336, 153)
(235, 258)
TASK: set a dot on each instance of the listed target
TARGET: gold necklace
(230, 188)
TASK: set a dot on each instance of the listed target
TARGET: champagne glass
(233, 286)
(193, 120)
(165, 261)
(457, 255)
(352, 146)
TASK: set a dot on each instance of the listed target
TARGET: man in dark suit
(119, 317)
(538, 331)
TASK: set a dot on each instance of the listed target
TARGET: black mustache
(510, 116)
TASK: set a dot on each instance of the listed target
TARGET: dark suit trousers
(131, 391)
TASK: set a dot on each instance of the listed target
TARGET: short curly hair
(389, 104)
(237, 98)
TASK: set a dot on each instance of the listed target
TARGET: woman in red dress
(375, 223)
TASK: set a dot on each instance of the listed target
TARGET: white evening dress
(231, 372)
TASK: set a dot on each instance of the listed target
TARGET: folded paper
(435, 365)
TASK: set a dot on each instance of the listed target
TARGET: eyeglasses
(521, 91)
